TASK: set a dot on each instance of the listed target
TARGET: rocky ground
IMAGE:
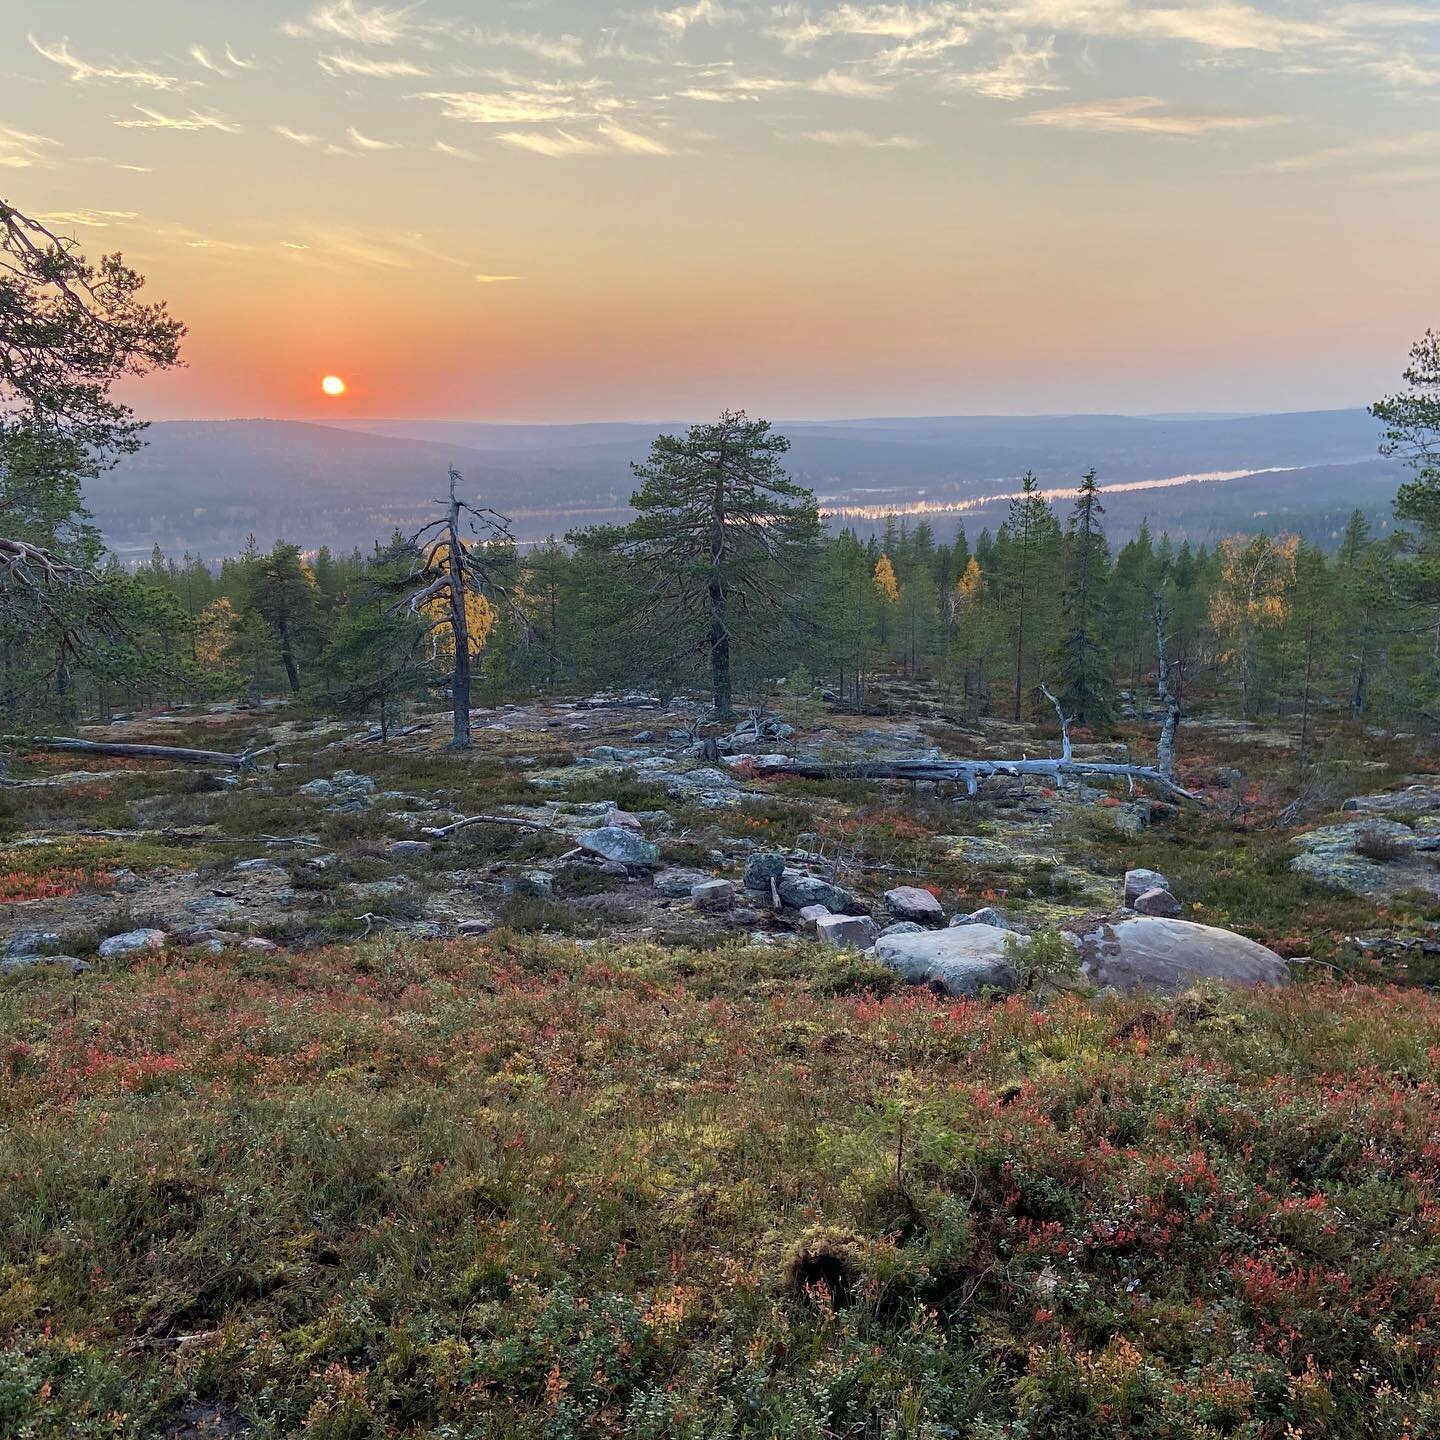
(610, 819)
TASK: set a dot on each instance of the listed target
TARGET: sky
(547, 210)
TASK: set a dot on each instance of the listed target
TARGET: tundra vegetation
(433, 1067)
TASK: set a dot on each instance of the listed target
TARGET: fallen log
(245, 760)
(441, 832)
(969, 772)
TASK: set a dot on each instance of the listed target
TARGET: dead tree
(244, 760)
(1165, 687)
(451, 569)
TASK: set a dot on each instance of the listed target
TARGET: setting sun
(333, 385)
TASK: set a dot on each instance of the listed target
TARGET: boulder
(812, 915)
(1157, 902)
(610, 842)
(1157, 955)
(910, 902)
(963, 960)
(409, 849)
(902, 927)
(987, 915)
(1137, 882)
(798, 891)
(623, 820)
(12, 963)
(847, 932)
(132, 942)
(761, 869)
(713, 895)
(28, 943)
(677, 884)
(539, 883)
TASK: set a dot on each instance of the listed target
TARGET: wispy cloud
(456, 152)
(850, 84)
(90, 219)
(552, 49)
(565, 144)
(365, 142)
(195, 120)
(228, 67)
(1026, 70)
(539, 103)
(1144, 115)
(861, 140)
(702, 12)
(24, 150)
(360, 24)
(496, 279)
(1363, 154)
(83, 71)
(296, 137)
(371, 67)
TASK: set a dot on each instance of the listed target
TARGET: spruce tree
(1084, 670)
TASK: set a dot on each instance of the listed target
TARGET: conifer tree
(1084, 671)
(1030, 542)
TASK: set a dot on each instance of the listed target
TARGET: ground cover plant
(517, 1188)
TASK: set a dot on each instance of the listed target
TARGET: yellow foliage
(214, 632)
(885, 581)
(1256, 577)
(480, 618)
(970, 585)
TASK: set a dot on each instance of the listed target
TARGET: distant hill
(205, 485)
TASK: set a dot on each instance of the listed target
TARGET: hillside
(205, 485)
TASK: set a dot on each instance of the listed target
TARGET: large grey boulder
(1137, 882)
(610, 842)
(910, 902)
(132, 942)
(1156, 955)
(962, 961)
(798, 891)
(847, 932)
(761, 869)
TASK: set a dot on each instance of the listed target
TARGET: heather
(520, 1187)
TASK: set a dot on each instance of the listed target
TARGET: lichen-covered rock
(902, 927)
(610, 842)
(964, 960)
(986, 915)
(798, 891)
(28, 943)
(713, 895)
(1137, 882)
(1156, 955)
(677, 884)
(1376, 857)
(847, 932)
(132, 942)
(761, 869)
(539, 883)
(910, 902)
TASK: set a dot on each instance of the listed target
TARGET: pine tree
(722, 540)
(1029, 541)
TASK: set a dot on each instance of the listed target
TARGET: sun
(333, 385)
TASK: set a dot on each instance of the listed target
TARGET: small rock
(1137, 882)
(713, 895)
(910, 902)
(132, 942)
(902, 927)
(12, 963)
(677, 884)
(540, 883)
(847, 932)
(1156, 902)
(612, 867)
(987, 915)
(624, 820)
(812, 915)
(610, 842)
(247, 867)
(643, 738)
(761, 869)
(409, 849)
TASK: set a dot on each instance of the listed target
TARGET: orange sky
(575, 211)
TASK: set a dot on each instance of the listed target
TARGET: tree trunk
(459, 628)
(287, 657)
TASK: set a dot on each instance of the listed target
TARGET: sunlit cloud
(83, 71)
(195, 120)
(369, 67)
(90, 219)
(297, 137)
(537, 105)
(456, 152)
(861, 140)
(360, 24)
(496, 279)
(365, 142)
(1144, 115)
(702, 12)
(553, 49)
(24, 150)
(564, 144)
(1026, 70)
(228, 67)
(851, 84)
